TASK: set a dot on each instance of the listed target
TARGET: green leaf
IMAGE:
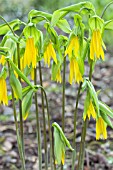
(20, 73)
(96, 22)
(55, 68)
(106, 119)
(4, 51)
(59, 146)
(55, 125)
(31, 30)
(84, 85)
(16, 85)
(3, 72)
(105, 109)
(37, 16)
(94, 95)
(64, 25)
(26, 104)
(86, 105)
(81, 65)
(59, 14)
(53, 34)
(15, 25)
(108, 25)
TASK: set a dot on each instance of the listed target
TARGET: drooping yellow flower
(101, 131)
(58, 76)
(96, 49)
(90, 111)
(3, 91)
(75, 73)
(49, 53)
(2, 60)
(30, 53)
(73, 47)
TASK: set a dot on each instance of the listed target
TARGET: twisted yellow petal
(3, 91)
(49, 53)
(101, 131)
(73, 47)
(58, 76)
(75, 73)
(30, 53)
(90, 111)
(96, 49)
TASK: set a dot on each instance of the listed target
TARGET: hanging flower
(96, 49)
(30, 53)
(101, 131)
(49, 53)
(73, 47)
(90, 111)
(2, 60)
(60, 143)
(3, 91)
(75, 73)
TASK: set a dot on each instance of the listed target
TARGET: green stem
(8, 25)
(75, 120)
(38, 124)
(63, 95)
(20, 102)
(17, 129)
(83, 135)
(104, 10)
(63, 98)
(44, 121)
(49, 128)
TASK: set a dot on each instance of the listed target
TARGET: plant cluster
(20, 56)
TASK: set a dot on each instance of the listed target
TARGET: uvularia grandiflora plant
(22, 55)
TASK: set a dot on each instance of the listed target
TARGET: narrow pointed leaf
(106, 119)
(26, 104)
(105, 109)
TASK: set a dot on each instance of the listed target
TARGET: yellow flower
(2, 60)
(96, 49)
(3, 91)
(48, 53)
(75, 73)
(101, 129)
(30, 53)
(90, 111)
(58, 76)
(73, 48)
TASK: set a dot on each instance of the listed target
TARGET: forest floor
(98, 154)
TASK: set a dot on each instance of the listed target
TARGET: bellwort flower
(90, 111)
(75, 73)
(73, 53)
(96, 49)
(58, 76)
(73, 47)
(3, 91)
(30, 53)
(49, 53)
(101, 131)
